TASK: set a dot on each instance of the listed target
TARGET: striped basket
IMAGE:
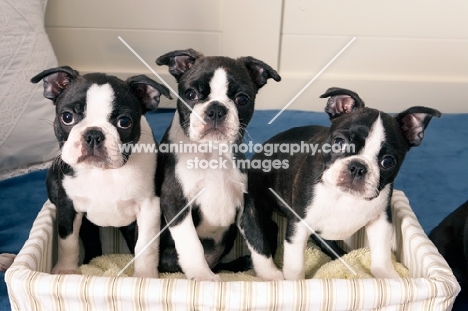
(431, 285)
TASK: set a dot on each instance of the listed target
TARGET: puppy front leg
(254, 233)
(69, 223)
(190, 251)
(379, 234)
(147, 251)
(295, 244)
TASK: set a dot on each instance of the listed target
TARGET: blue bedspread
(434, 175)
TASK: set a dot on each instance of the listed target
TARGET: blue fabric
(433, 176)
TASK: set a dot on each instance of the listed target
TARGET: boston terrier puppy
(451, 239)
(97, 117)
(203, 194)
(345, 186)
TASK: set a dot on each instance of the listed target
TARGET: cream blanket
(318, 265)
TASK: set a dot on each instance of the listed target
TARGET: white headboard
(405, 53)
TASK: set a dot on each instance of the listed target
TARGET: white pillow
(26, 132)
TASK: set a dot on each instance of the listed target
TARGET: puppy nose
(357, 170)
(216, 112)
(94, 138)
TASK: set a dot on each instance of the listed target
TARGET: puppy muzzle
(354, 176)
(221, 123)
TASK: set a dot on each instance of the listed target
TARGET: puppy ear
(179, 61)
(341, 101)
(259, 71)
(147, 91)
(414, 121)
(56, 80)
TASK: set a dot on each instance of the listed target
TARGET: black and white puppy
(94, 175)
(338, 192)
(219, 95)
(451, 239)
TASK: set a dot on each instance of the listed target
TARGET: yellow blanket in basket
(318, 265)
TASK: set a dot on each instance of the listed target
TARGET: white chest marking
(225, 187)
(336, 216)
(112, 197)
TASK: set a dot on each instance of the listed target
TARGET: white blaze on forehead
(374, 140)
(99, 99)
(228, 129)
(99, 106)
(219, 85)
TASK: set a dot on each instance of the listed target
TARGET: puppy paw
(58, 269)
(294, 275)
(275, 275)
(211, 278)
(6, 260)
(384, 273)
(146, 274)
(63, 271)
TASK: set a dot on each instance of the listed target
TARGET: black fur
(67, 89)
(193, 72)
(351, 121)
(451, 239)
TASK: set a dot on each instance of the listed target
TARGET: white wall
(405, 53)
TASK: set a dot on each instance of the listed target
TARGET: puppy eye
(124, 122)
(339, 141)
(242, 100)
(340, 145)
(388, 162)
(67, 118)
(191, 94)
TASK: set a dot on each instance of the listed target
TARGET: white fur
(99, 100)
(265, 268)
(374, 141)
(117, 197)
(190, 252)
(113, 197)
(148, 221)
(218, 205)
(294, 251)
(368, 156)
(225, 187)
(379, 234)
(336, 215)
(229, 130)
(69, 250)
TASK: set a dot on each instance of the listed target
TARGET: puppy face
(218, 93)
(96, 114)
(369, 145)
(222, 99)
(95, 123)
(368, 157)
